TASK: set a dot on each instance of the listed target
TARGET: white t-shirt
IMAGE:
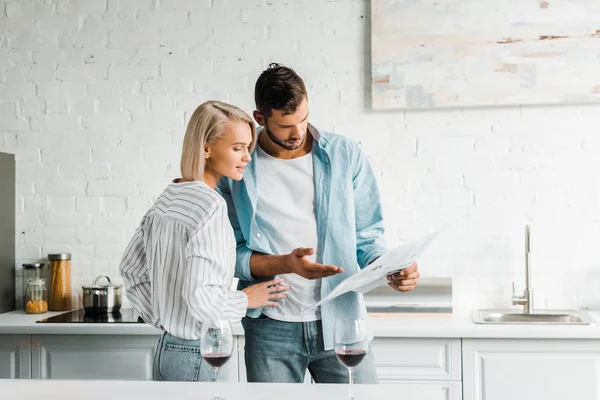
(286, 205)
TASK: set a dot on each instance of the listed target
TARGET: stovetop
(126, 315)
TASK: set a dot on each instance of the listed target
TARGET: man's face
(286, 130)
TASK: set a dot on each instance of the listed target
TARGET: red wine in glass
(351, 344)
(351, 357)
(216, 360)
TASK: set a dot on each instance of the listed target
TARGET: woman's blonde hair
(207, 125)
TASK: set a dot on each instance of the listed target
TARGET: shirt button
(258, 235)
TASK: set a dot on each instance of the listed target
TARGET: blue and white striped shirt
(179, 266)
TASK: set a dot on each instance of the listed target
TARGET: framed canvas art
(460, 53)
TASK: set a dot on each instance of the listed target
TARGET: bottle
(31, 272)
(60, 281)
(36, 297)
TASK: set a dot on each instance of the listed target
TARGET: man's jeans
(278, 351)
(179, 359)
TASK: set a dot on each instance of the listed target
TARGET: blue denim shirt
(349, 221)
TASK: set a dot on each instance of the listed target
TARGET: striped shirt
(179, 266)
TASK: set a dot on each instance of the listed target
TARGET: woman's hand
(266, 294)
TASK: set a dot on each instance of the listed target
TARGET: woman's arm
(134, 270)
(206, 289)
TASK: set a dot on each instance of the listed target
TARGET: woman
(179, 266)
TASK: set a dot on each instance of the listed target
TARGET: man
(307, 210)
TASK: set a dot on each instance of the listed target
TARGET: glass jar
(36, 297)
(59, 270)
(32, 272)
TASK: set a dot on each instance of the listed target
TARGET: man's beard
(281, 143)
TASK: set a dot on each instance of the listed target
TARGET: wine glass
(216, 346)
(351, 344)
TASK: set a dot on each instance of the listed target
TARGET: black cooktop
(126, 315)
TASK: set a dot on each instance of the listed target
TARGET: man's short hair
(278, 88)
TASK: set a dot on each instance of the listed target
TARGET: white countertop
(462, 326)
(120, 390)
(383, 325)
(18, 322)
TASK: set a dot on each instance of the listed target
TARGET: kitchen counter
(18, 322)
(118, 390)
(424, 325)
(461, 326)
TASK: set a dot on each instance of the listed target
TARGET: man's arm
(370, 243)
(264, 265)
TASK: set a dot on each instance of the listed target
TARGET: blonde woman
(179, 266)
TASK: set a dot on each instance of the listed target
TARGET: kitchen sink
(541, 317)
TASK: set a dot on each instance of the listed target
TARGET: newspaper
(375, 274)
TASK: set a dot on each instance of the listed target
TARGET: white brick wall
(94, 96)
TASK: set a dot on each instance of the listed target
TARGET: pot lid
(95, 284)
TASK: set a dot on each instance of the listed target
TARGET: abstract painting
(460, 53)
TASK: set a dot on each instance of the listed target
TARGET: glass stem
(215, 378)
(350, 381)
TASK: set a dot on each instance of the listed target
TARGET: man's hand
(405, 280)
(297, 262)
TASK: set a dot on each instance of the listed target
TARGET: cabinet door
(14, 357)
(417, 359)
(531, 369)
(92, 357)
(427, 390)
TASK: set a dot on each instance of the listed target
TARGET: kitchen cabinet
(417, 359)
(525, 369)
(92, 357)
(106, 357)
(15, 357)
(433, 363)
(488, 369)
(428, 390)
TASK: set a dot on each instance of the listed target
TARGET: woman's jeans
(179, 359)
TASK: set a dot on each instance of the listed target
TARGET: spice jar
(32, 272)
(36, 297)
(59, 270)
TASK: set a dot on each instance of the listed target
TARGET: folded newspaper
(375, 274)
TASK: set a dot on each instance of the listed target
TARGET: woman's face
(229, 155)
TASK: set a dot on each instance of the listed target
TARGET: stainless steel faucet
(526, 300)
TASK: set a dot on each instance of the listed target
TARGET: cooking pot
(102, 298)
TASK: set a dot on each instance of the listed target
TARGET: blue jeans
(179, 359)
(278, 351)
